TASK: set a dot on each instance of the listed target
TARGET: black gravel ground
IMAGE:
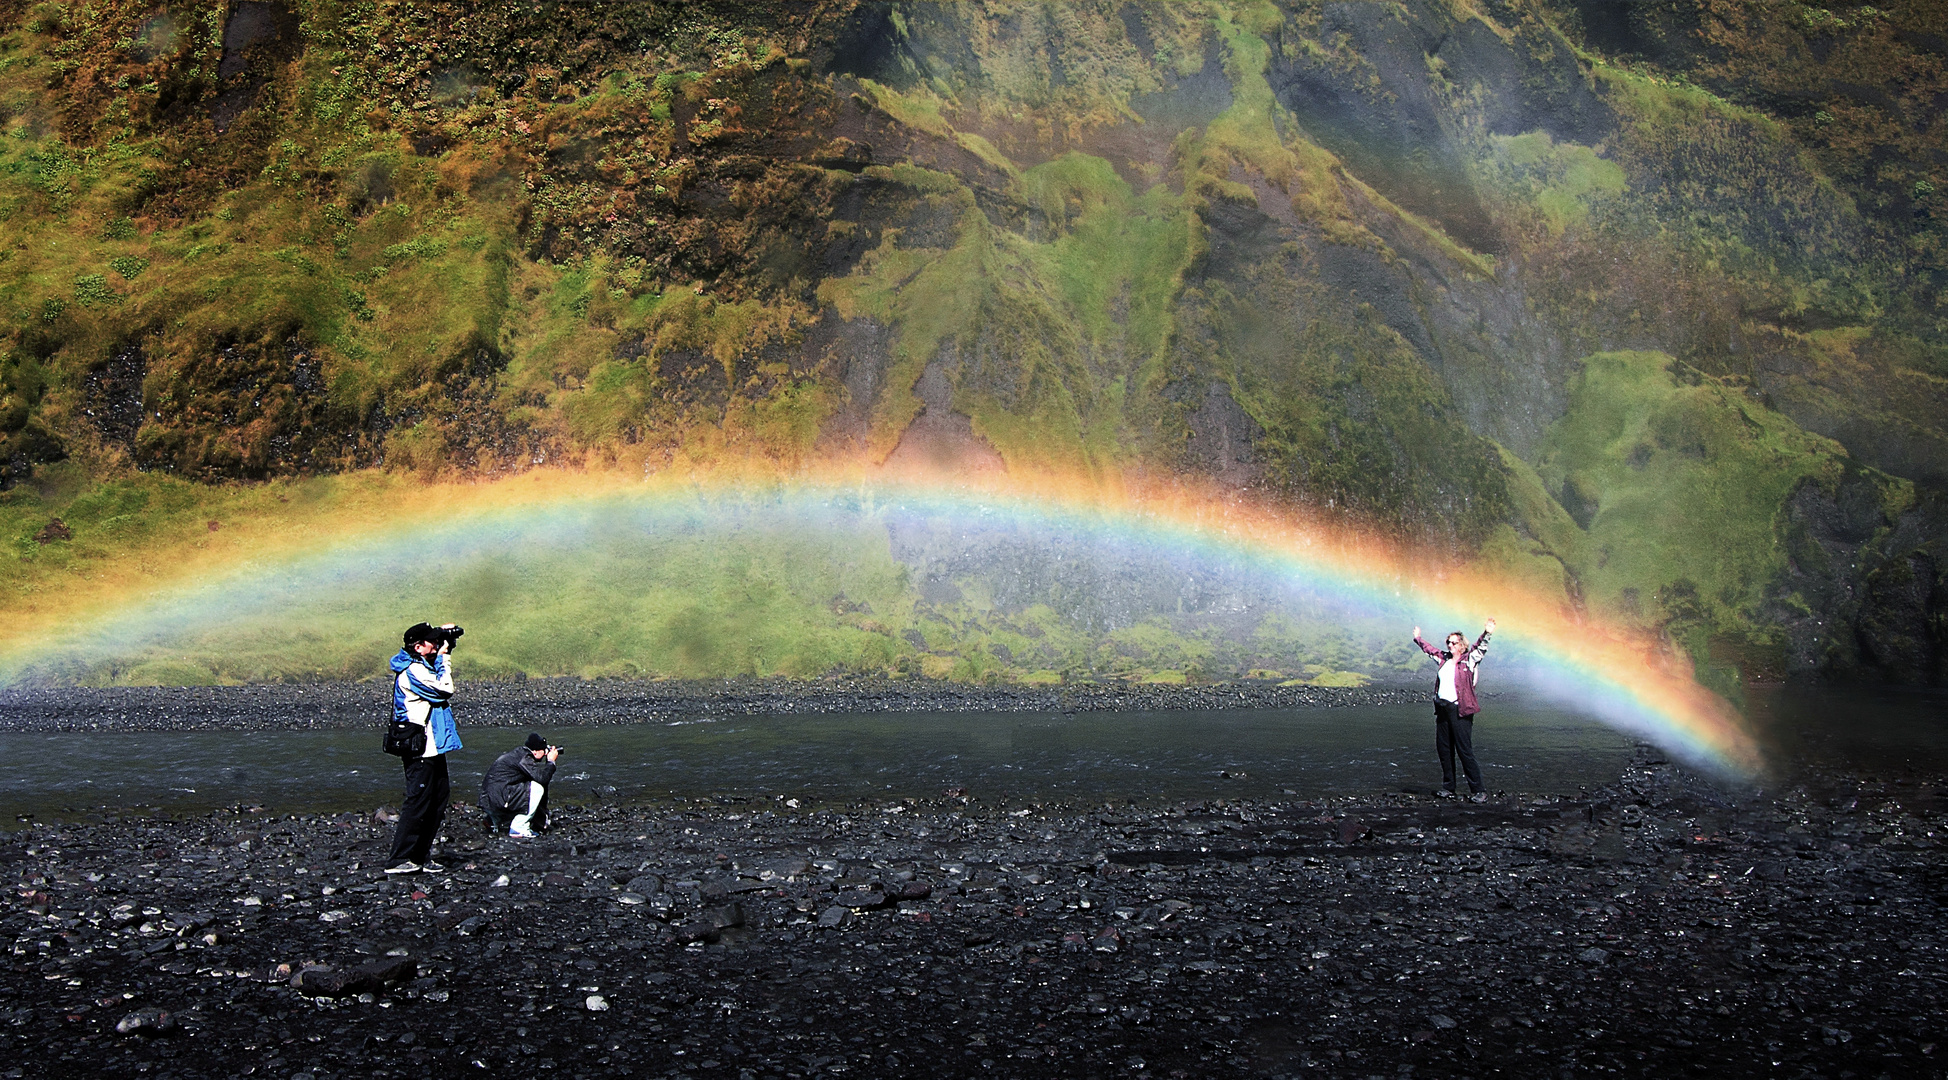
(1658, 927)
(576, 702)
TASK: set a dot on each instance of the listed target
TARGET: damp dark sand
(1655, 927)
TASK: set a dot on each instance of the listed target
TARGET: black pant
(427, 792)
(1454, 733)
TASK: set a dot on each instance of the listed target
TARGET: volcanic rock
(369, 978)
(1232, 937)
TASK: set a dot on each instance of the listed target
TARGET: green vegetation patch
(1047, 329)
(1680, 481)
(1560, 182)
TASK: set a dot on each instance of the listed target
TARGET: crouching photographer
(515, 790)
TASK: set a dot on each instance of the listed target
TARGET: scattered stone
(595, 1003)
(644, 884)
(863, 899)
(369, 978)
(147, 1022)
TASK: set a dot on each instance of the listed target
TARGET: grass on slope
(1680, 482)
(158, 580)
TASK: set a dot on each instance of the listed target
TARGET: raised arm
(539, 771)
(1481, 643)
(437, 688)
(1426, 648)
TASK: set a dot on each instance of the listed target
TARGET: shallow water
(1895, 730)
(1147, 757)
(1011, 756)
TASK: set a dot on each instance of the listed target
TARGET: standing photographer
(422, 689)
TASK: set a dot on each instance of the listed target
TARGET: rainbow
(1621, 678)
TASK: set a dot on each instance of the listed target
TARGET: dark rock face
(1393, 130)
(256, 35)
(1654, 927)
(1872, 584)
(240, 408)
(1223, 438)
(114, 396)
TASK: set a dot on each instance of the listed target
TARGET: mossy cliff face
(1640, 308)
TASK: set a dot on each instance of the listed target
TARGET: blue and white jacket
(421, 694)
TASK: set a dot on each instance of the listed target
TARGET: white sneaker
(408, 867)
(431, 867)
(520, 834)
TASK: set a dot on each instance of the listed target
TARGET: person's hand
(553, 753)
(1416, 631)
(1491, 626)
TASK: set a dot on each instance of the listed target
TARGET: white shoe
(520, 834)
(407, 867)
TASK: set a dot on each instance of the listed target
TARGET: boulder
(374, 977)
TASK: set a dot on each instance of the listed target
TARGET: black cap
(419, 632)
(536, 742)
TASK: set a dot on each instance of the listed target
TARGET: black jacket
(506, 781)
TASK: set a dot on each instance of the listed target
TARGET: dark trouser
(1454, 733)
(425, 807)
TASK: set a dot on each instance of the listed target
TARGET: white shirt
(1445, 689)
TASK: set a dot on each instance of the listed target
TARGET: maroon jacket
(1464, 672)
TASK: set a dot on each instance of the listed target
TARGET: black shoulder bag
(405, 740)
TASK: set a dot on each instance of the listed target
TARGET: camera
(443, 636)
